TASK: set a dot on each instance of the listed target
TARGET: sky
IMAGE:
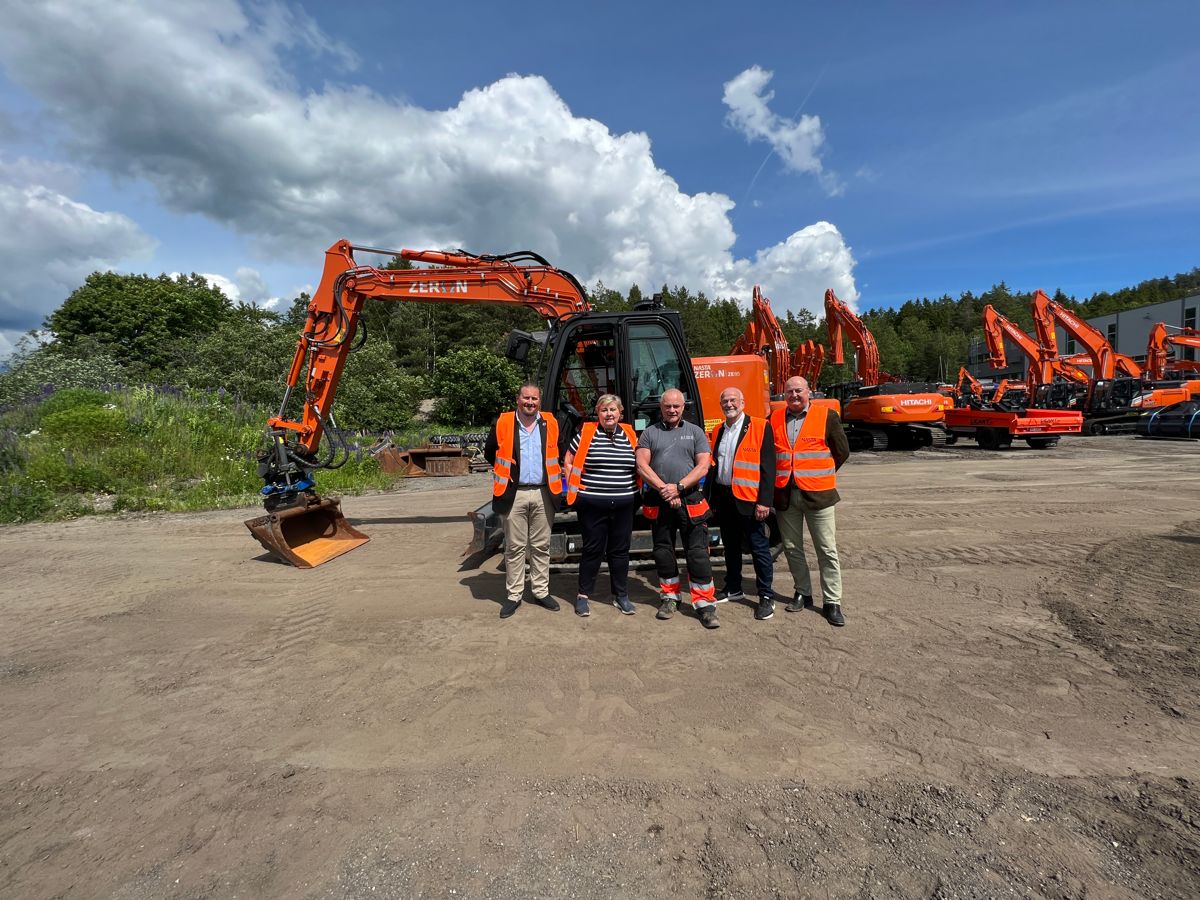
(887, 150)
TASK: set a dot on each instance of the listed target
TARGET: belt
(528, 487)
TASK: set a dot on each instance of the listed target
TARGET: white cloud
(198, 102)
(51, 243)
(246, 286)
(797, 143)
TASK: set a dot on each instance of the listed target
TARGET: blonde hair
(607, 399)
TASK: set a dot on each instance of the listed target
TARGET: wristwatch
(679, 487)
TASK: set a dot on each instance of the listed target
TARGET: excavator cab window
(655, 365)
(589, 370)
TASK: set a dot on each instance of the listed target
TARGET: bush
(23, 500)
(63, 472)
(37, 372)
(72, 398)
(474, 386)
(86, 426)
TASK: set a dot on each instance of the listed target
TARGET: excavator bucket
(307, 535)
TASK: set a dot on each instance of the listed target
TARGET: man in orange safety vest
(526, 489)
(741, 487)
(810, 446)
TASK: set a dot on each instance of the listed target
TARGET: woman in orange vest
(602, 489)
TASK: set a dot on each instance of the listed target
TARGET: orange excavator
(764, 337)
(881, 411)
(635, 354)
(1159, 362)
(808, 360)
(1050, 381)
(1118, 390)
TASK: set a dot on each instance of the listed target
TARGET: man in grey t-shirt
(672, 458)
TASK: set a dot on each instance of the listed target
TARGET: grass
(82, 451)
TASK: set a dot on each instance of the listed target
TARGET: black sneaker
(623, 604)
(581, 606)
(799, 602)
(725, 596)
(666, 609)
(547, 602)
(833, 612)
(766, 609)
(708, 617)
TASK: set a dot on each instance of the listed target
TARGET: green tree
(474, 386)
(137, 319)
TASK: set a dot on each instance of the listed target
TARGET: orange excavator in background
(1159, 363)
(880, 410)
(1050, 382)
(764, 337)
(1118, 390)
(807, 361)
(584, 353)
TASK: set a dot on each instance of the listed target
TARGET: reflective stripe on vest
(575, 476)
(747, 460)
(502, 469)
(809, 463)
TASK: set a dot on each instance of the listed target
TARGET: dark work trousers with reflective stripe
(695, 545)
(740, 533)
(606, 524)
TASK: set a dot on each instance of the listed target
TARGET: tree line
(141, 329)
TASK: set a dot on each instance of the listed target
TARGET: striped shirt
(611, 466)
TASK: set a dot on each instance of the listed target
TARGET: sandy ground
(1011, 710)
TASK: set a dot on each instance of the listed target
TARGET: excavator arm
(1158, 348)
(839, 319)
(764, 337)
(1044, 363)
(300, 526)
(1104, 361)
(521, 279)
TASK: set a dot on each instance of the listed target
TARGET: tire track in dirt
(1138, 607)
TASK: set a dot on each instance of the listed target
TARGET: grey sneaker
(766, 609)
(623, 604)
(581, 606)
(708, 617)
(725, 596)
(666, 609)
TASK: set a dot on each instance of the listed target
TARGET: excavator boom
(300, 527)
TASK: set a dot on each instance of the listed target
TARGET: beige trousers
(527, 536)
(823, 531)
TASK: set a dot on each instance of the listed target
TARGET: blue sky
(888, 150)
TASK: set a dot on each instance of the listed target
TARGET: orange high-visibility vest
(502, 469)
(747, 461)
(808, 464)
(575, 476)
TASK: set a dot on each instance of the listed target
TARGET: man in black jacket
(741, 485)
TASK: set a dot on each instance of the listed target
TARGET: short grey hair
(606, 399)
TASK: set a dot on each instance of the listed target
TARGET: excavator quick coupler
(307, 534)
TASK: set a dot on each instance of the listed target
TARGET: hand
(676, 503)
(669, 492)
(761, 512)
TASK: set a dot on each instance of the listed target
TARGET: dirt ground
(1012, 708)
